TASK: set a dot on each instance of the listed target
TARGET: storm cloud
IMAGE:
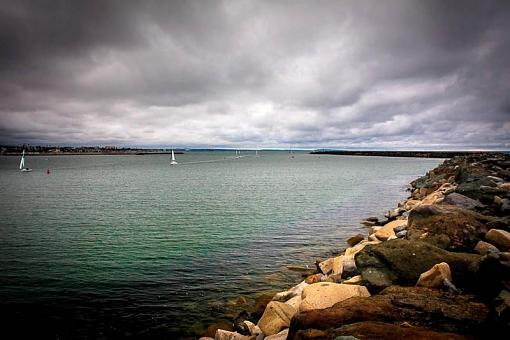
(375, 74)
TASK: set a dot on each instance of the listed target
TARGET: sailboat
(22, 167)
(173, 162)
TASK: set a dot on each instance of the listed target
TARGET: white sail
(173, 162)
(22, 162)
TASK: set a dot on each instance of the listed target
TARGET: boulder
(288, 294)
(354, 240)
(239, 324)
(474, 190)
(410, 204)
(402, 262)
(280, 336)
(387, 231)
(350, 252)
(447, 226)
(493, 275)
(276, 317)
(227, 335)
(254, 329)
(349, 267)
(355, 280)
(314, 278)
(401, 234)
(484, 248)
(501, 306)
(462, 201)
(372, 219)
(435, 276)
(419, 306)
(324, 295)
(434, 198)
(504, 186)
(295, 302)
(377, 330)
(332, 265)
(499, 238)
(212, 329)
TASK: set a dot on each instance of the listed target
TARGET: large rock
(326, 294)
(354, 240)
(484, 248)
(376, 330)
(402, 262)
(447, 226)
(333, 265)
(462, 201)
(227, 335)
(289, 294)
(276, 317)
(387, 231)
(280, 336)
(473, 189)
(419, 306)
(493, 275)
(436, 276)
(499, 238)
(350, 252)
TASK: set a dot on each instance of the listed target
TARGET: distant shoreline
(133, 153)
(421, 154)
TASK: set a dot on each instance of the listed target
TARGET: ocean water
(120, 246)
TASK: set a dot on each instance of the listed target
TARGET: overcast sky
(376, 74)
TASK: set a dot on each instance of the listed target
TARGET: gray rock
(402, 262)
(462, 201)
(399, 228)
(484, 248)
(401, 234)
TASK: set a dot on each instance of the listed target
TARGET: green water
(109, 246)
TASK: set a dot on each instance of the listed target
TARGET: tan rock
(354, 240)
(289, 294)
(385, 232)
(314, 278)
(332, 265)
(276, 317)
(504, 186)
(499, 238)
(326, 294)
(206, 338)
(436, 276)
(372, 237)
(374, 229)
(355, 280)
(350, 252)
(227, 335)
(434, 198)
(484, 248)
(295, 302)
(409, 204)
(280, 336)
(447, 188)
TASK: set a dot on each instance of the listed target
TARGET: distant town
(81, 150)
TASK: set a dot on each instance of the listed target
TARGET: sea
(106, 247)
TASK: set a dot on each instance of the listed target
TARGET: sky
(256, 74)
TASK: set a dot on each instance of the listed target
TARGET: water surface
(115, 246)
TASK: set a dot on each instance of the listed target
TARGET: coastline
(437, 266)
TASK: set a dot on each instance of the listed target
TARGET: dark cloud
(398, 74)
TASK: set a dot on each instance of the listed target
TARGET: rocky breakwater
(437, 267)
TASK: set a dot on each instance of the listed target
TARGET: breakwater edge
(438, 266)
